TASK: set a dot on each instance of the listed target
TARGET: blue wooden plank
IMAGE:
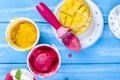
(72, 72)
(18, 8)
(106, 6)
(93, 63)
(105, 50)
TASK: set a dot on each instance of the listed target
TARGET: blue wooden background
(98, 62)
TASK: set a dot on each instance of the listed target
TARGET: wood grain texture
(106, 6)
(72, 72)
(17, 8)
(101, 61)
(105, 50)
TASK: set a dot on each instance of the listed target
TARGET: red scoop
(43, 62)
(8, 77)
(67, 37)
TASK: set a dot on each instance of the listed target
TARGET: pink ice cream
(9, 77)
(43, 61)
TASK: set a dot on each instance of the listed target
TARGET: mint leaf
(18, 74)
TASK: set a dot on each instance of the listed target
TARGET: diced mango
(75, 14)
(83, 19)
(70, 3)
(82, 9)
(79, 18)
(87, 24)
(68, 21)
(71, 12)
(86, 13)
(62, 17)
(64, 8)
(74, 24)
(76, 5)
(89, 19)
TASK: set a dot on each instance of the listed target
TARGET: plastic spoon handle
(48, 15)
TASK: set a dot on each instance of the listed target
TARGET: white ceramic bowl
(40, 74)
(94, 31)
(56, 12)
(114, 21)
(8, 31)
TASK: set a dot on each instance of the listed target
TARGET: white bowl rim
(92, 5)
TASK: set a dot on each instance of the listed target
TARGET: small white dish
(93, 33)
(114, 21)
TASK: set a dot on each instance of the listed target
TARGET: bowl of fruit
(82, 19)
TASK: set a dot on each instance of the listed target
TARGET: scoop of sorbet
(42, 62)
(8, 77)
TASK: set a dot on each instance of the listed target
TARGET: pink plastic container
(44, 60)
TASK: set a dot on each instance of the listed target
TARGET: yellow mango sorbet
(75, 14)
(23, 34)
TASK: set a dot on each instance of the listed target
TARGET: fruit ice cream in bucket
(43, 60)
(75, 14)
(19, 74)
(22, 34)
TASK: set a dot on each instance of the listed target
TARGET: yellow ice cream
(23, 34)
(75, 14)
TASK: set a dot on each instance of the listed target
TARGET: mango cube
(68, 21)
(82, 9)
(75, 14)
(71, 12)
(62, 17)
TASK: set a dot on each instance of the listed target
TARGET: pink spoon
(67, 37)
